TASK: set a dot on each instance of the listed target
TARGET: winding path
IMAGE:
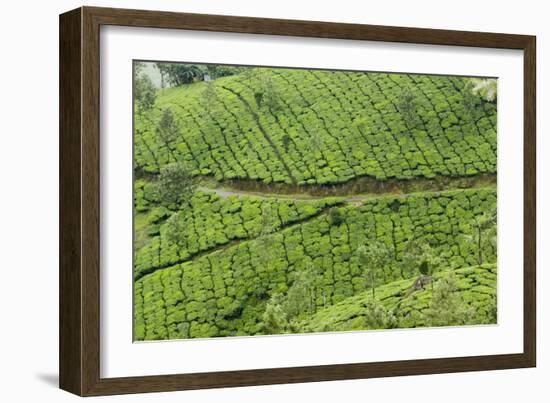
(225, 193)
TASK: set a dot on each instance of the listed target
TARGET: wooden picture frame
(79, 348)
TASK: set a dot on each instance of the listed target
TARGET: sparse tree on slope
(274, 318)
(407, 108)
(175, 184)
(447, 307)
(301, 295)
(175, 229)
(372, 258)
(168, 128)
(145, 92)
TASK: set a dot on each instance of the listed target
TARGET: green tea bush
(209, 221)
(226, 291)
(321, 127)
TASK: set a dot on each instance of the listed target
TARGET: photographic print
(272, 201)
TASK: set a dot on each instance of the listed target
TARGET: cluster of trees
(176, 74)
(283, 311)
(145, 93)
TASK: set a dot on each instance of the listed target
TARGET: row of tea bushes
(210, 222)
(224, 292)
(324, 128)
(476, 286)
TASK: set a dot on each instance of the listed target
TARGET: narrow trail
(225, 192)
(349, 199)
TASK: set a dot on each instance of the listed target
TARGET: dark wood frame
(79, 201)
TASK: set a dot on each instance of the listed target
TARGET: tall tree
(175, 184)
(168, 128)
(335, 216)
(469, 99)
(163, 70)
(266, 90)
(145, 93)
(406, 106)
(447, 307)
(208, 98)
(419, 256)
(378, 317)
(175, 229)
(373, 257)
(274, 318)
(267, 227)
(484, 232)
(301, 295)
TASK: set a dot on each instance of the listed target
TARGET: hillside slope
(224, 292)
(322, 127)
(475, 285)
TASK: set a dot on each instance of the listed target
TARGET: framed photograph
(249, 201)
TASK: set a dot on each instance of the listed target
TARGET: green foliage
(207, 265)
(301, 295)
(218, 70)
(371, 258)
(446, 306)
(209, 97)
(378, 317)
(175, 184)
(469, 99)
(407, 108)
(461, 297)
(266, 93)
(208, 221)
(274, 319)
(175, 230)
(325, 127)
(419, 256)
(227, 289)
(144, 92)
(484, 234)
(424, 268)
(168, 129)
(486, 88)
(286, 140)
(335, 216)
(180, 73)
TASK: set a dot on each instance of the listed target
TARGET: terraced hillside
(225, 292)
(274, 201)
(474, 285)
(322, 127)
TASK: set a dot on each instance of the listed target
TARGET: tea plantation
(209, 222)
(276, 200)
(225, 292)
(307, 127)
(475, 285)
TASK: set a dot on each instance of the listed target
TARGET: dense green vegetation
(207, 222)
(403, 307)
(322, 127)
(225, 292)
(219, 253)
